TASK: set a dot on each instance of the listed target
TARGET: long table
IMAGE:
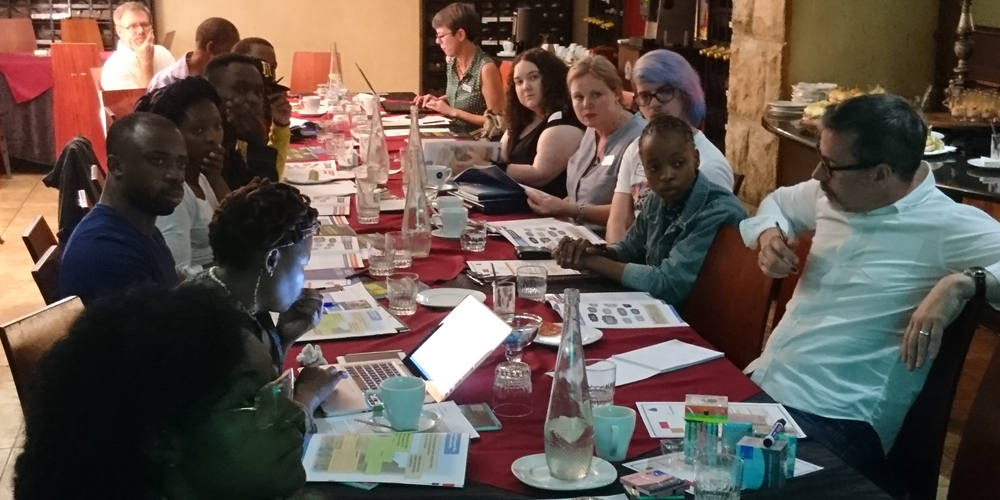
(490, 457)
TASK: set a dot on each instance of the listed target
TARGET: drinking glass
(524, 327)
(400, 245)
(474, 236)
(531, 282)
(512, 389)
(601, 382)
(503, 297)
(341, 122)
(718, 476)
(995, 146)
(366, 201)
(381, 262)
(402, 293)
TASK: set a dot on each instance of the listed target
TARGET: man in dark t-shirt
(117, 245)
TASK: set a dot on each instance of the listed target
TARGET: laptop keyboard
(369, 376)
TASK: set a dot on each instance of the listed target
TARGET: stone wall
(755, 78)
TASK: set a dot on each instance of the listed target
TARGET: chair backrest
(17, 35)
(75, 104)
(788, 284)
(737, 183)
(506, 68)
(113, 104)
(38, 237)
(976, 475)
(915, 458)
(81, 30)
(309, 70)
(46, 274)
(26, 340)
(84, 200)
(168, 39)
(731, 298)
(98, 178)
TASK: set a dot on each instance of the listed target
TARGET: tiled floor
(24, 197)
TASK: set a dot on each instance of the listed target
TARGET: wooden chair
(17, 35)
(309, 70)
(731, 299)
(46, 274)
(915, 458)
(788, 284)
(26, 340)
(81, 30)
(75, 104)
(976, 475)
(83, 200)
(506, 68)
(38, 238)
(98, 178)
(168, 39)
(113, 104)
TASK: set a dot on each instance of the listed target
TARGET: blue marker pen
(779, 426)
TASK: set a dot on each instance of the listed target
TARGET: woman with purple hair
(665, 84)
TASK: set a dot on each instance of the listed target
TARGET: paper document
(452, 422)
(687, 473)
(404, 121)
(545, 232)
(335, 221)
(403, 458)
(350, 312)
(666, 420)
(334, 260)
(338, 244)
(629, 314)
(555, 300)
(328, 167)
(506, 268)
(665, 357)
(331, 205)
(338, 188)
(322, 284)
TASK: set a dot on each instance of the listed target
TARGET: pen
(779, 426)
(784, 239)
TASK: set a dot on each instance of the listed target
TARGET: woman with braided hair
(261, 236)
(193, 105)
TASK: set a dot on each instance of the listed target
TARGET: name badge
(608, 161)
(466, 87)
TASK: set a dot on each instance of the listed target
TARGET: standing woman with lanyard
(474, 83)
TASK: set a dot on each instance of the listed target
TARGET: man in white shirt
(214, 36)
(892, 263)
(137, 57)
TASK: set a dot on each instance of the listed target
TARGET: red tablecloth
(490, 456)
(28, 75)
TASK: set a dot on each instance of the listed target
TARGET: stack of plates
(811, 92)
(787, 108)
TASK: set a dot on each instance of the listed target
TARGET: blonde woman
(596, 92)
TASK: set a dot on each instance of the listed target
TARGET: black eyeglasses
(829, 169)
(663, 94)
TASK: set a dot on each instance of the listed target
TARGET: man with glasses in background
(892, 263)
(137, 57)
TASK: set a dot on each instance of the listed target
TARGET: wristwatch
(978, 274)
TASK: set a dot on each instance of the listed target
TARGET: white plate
(944, 150)
(506, 54)
(590, 335)
(440, 234)
(428, 421)
(447, 297)
(533, 471)
(981, 163)
(392, 205)
(302, 178)
(788, 104)
(322, 111)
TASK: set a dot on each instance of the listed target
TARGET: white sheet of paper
(666, 420)
(452, 421)
(649, 313)
(505, 268)
(660, 463)
(546, 232)
(338, 188)
(667, 356)
(443, 458)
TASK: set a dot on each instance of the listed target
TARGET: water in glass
(531, 282)
(402, 293)
(366, 202)
(474, 237)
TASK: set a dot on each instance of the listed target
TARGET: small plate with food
(551, 334)
(935, 145)
(308, 177)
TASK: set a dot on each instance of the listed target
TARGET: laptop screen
(469, 334)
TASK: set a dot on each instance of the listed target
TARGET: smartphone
(533, 253)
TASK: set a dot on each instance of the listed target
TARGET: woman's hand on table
(441, 106)
(543, 203)
(572, 254)
(422, 100)
(302, 316)
(315, 384)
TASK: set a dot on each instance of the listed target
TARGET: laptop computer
(393, 107)
(444, 359)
